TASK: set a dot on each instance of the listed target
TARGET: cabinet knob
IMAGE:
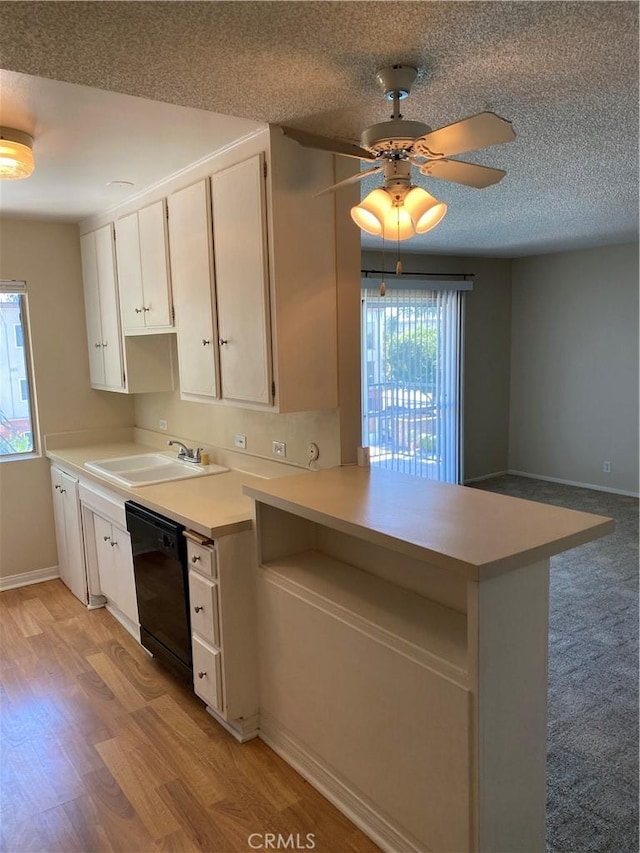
(198, 608)
(113, 543)
(62, 491)
(139, 310)
(97, 346)
(145, 309)
(205, 342)
(222, 342)
(202, 674)
(57, 488)
(194, 559)
(107, 538)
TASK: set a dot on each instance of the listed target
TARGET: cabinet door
(109, 314)
(192, 279)
(126, 599)
(58, 517)
(104, 553)
(154, 259)
(241, 272)
(74, 570)
(92, 307)
(130, 273)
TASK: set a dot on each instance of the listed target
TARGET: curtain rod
(463, 276)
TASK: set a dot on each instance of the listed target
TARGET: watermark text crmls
(279, 841)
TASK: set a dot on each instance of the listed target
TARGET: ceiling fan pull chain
(398, 262)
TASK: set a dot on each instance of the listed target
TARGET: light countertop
(211, 505)
(474, 533)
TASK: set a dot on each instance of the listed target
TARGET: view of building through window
(411, 381)
(16, 423)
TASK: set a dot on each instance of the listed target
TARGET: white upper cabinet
(270, 298)
(242, 284)
(193, 291)
(101, 307)
(143, 271)
(132, 365)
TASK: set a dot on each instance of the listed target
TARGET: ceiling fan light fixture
(16, 155)
(425, 210)
(398, 224)
(371, 213)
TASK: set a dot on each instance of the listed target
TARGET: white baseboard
(573, 483)
(27, 578)
(486, 477)
(352, 803)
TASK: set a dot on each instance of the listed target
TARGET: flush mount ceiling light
(16, 156)
(398, 210)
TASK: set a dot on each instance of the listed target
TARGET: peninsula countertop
(472, 532)
(212, 505)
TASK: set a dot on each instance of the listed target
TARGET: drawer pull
(198, 608)
(195, 558)
(202, 674)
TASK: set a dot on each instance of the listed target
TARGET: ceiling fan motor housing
(394, 135)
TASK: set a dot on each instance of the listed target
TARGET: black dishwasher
(162, 587)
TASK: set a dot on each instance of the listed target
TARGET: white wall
(47, 257)
(574, 366)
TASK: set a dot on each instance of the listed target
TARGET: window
(16, 387)
(411, 378)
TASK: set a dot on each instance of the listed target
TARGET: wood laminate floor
(101, 750)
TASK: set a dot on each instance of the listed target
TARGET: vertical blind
(411, 362)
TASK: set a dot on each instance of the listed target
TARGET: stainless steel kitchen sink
(147, 469)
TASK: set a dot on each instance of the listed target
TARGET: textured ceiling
(565, 74)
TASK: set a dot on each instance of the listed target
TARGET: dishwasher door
(162, 587)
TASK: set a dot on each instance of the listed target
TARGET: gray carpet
(592, 761)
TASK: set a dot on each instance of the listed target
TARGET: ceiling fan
(398, 210)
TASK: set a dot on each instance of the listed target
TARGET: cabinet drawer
(202, 558)
(203, 595)
(207, 682)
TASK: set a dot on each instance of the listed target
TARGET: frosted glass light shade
(425, 210)
(371, 212)
(16, 156)
(397, 224)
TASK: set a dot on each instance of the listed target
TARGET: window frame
(20, 288)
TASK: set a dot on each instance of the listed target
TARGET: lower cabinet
(222, 602)
(115, 566)
(109, 556)
(66, 510)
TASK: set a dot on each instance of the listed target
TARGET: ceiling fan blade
(469, 134)
(335, 146)
(352, 180)
(469, 174)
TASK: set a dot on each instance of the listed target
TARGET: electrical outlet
(279, 448)
(606, 467)
(240, 441)
(162, 424)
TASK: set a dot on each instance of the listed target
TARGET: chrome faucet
(187, 454)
